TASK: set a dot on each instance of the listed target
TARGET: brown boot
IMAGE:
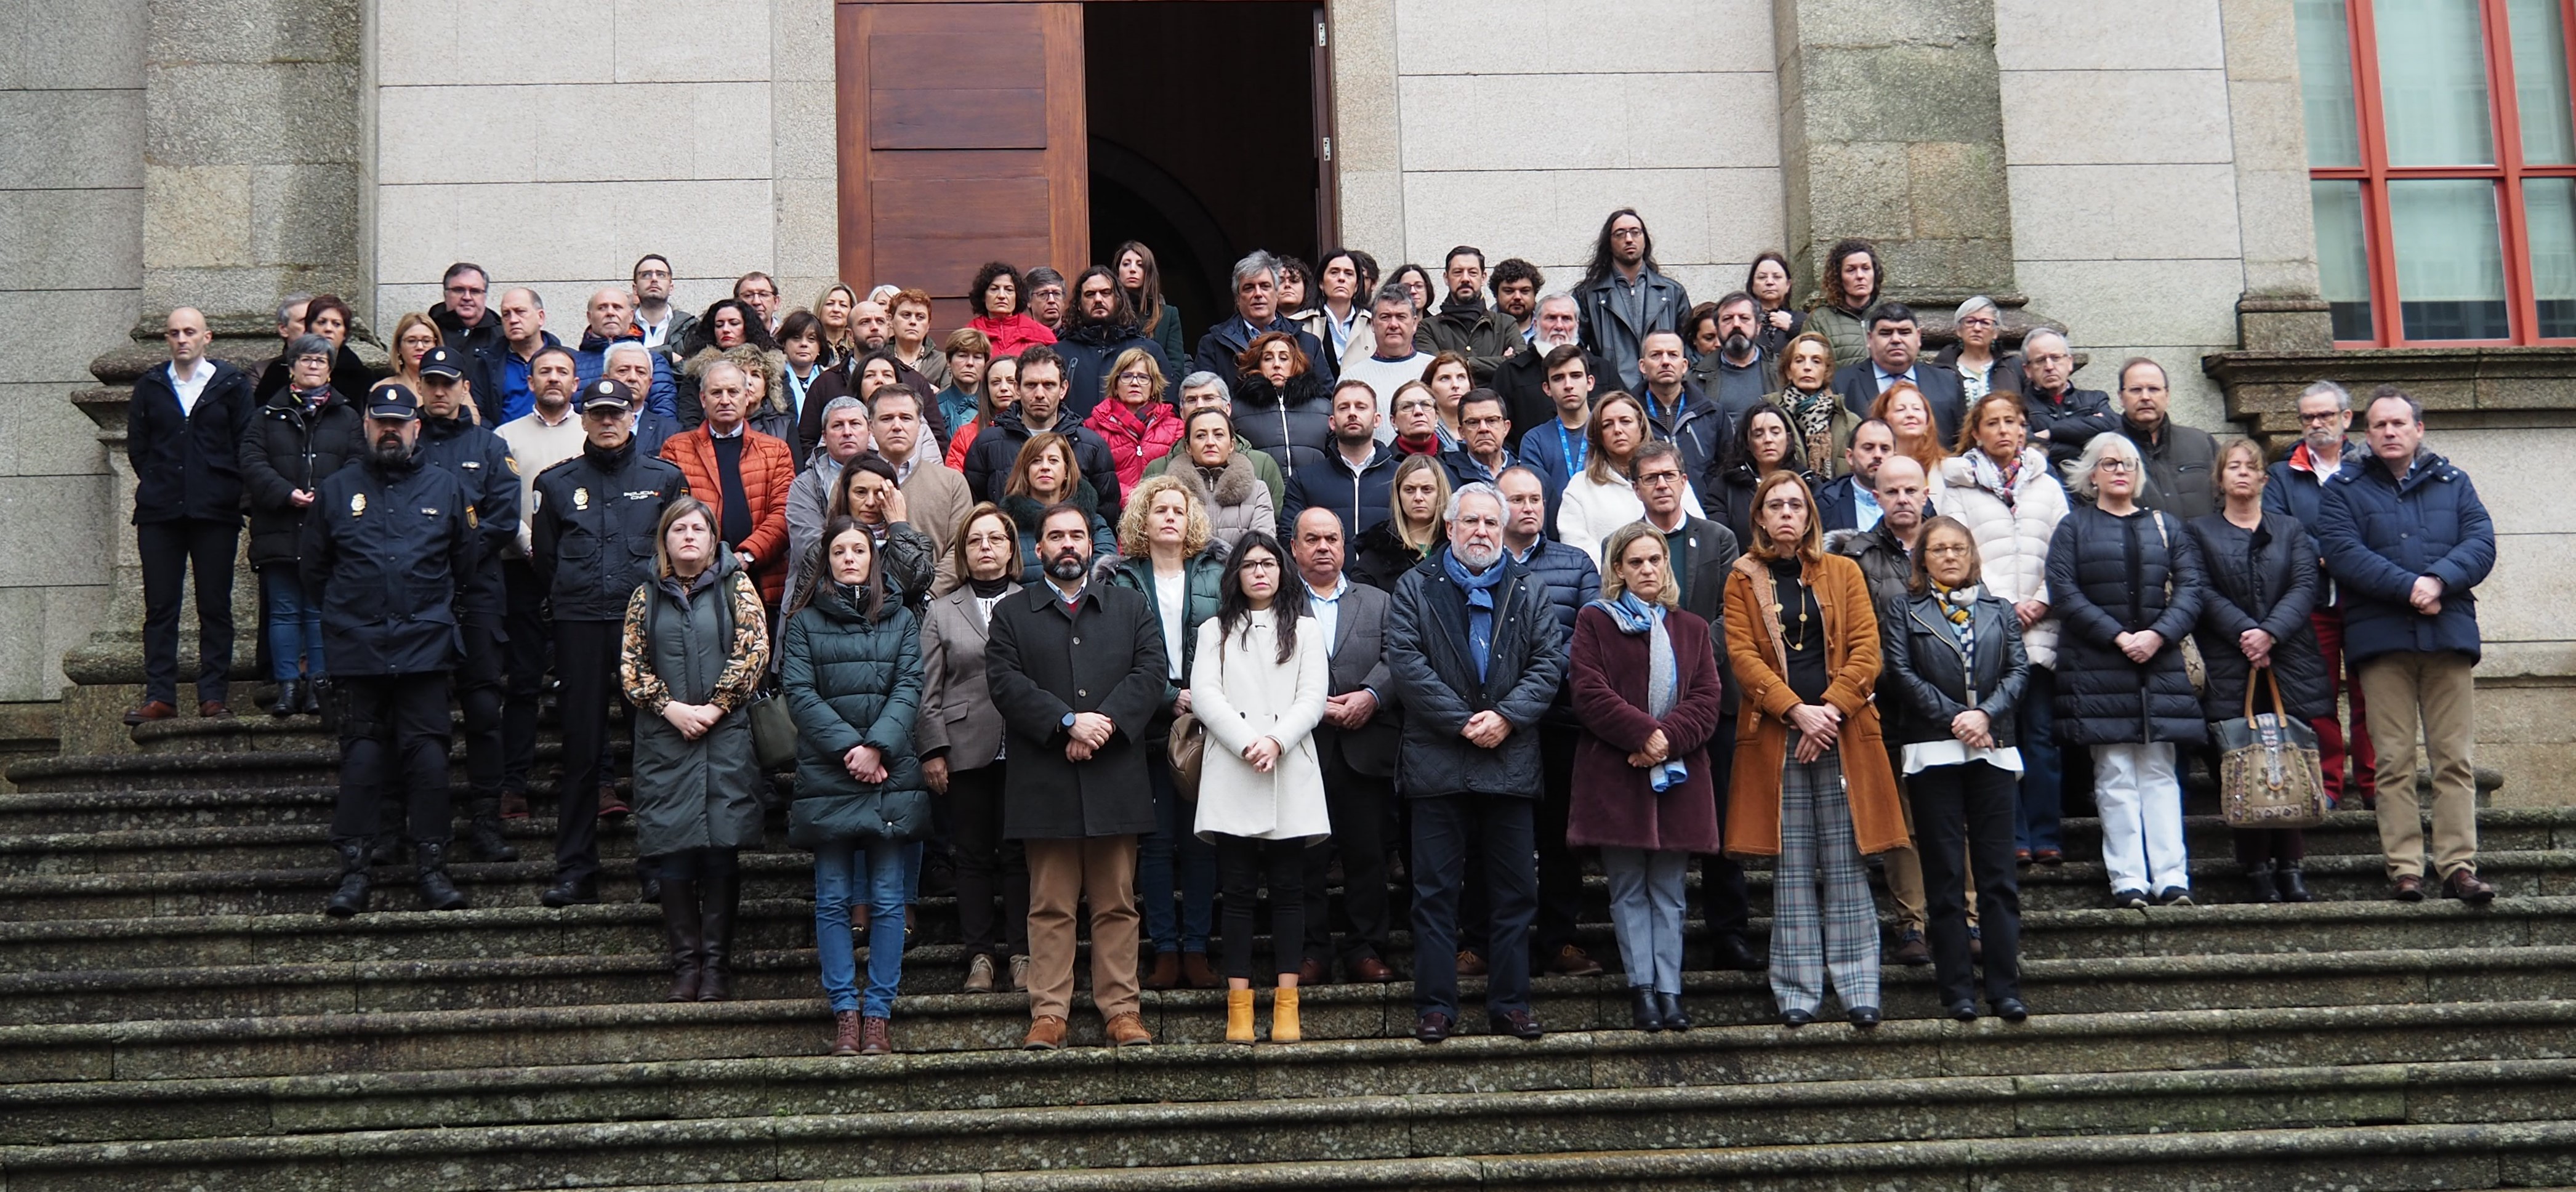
(1128, 1030)
(845, 1032)
(1166, 973)
(875, 1038)
(1196, 970)
(1046, 1033)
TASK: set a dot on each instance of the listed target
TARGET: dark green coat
(851, 680)
(705, 646)
(1202, 578)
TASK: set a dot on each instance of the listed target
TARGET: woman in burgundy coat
(1646, 688)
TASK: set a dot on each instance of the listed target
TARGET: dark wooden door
(961, 141)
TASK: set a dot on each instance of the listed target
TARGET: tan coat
(1754, 646)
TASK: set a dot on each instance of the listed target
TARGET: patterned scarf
(1813, 415)
(1958, 604)
(1993, 477)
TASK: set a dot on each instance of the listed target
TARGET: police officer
(390, 547)
(483, 464)
(591, 532)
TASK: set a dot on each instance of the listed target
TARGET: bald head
(185, 331)
(609, 313)
(1902, 491)
(1318, 547)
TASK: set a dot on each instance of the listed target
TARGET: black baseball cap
(440, 362)
(609, 392)
(393, 401)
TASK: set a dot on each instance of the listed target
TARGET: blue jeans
(294, 625)
(2035, 720)
(887, 870)
(1174, 846)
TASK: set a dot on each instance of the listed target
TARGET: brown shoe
(979, 974)
(514, 805)
(1470, 964)
(845, 1032)
(2407, 887)
(1128, 1030)
(1572, 961)
(1912, 950)
(2465, 885)
(1200, 975)
(1166, 973)
(1372, 970)
(150, 711)
(1314, 972)
(611, 804)
(875, 1038)
(213, 709)
(1019, 974)
(1046, 1033)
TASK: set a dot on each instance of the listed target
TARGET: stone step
(1690, 1097)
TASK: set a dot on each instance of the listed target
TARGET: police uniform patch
(357, 504)
(581, 498)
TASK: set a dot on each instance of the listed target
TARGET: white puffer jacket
(2012, 540)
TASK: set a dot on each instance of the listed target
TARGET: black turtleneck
(989, 588)
(608, 459)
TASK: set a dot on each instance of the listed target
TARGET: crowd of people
(1359, 593)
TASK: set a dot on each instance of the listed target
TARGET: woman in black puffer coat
(1281, 405)
(2263, 583)
(305, 431)
(2121, 683)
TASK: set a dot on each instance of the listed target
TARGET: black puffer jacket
(1295, 428)
(2265, 578)
(997, 447)
(290, 447)
(349, 375)
(1379, 557)
(2107, 575)
(1925, 684)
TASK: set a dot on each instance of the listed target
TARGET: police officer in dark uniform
(482, 463)
(591, 535)
(390, 546)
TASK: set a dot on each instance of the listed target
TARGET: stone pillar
(1891, 129)
(2280, 309)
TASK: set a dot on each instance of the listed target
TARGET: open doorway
(1207, 122)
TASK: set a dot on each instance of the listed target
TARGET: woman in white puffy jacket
(2001, 488)
(1259, 689)
(1602, 496)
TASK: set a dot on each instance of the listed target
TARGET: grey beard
(2323, 441)
(1067, 567)
(1476, 556)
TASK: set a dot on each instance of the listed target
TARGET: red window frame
(2508, 172)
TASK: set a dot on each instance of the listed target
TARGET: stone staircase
(175, 1013)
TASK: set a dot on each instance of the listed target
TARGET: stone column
(1891, 129)
(2280, 308)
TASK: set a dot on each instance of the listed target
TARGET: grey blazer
(958, 720)
(1359, 660)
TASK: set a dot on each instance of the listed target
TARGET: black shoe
(1963, 1010)
(2174, 896)
(317, 693)
(485, 841)
(351, 897)
(386, 849)
(1863, 1018)
(721, 899)
(1793, 1019)
(570, 891)
(1733, 953)
(1646, 1009)
(2009, 1009)
(436, 891)
(2293, 884)
(685, 933)
(1675, 1018)
(1519, 1024)
(2259, 877)
(2130, 900)
(290, 699)
(1432, 1027)
(650, 890)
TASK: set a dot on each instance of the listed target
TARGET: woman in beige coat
(1259, 691)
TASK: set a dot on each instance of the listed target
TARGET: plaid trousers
(1837, 940)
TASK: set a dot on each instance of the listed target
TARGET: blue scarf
(1480, 605)
(1663, 671)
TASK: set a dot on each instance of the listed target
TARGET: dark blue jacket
(1571, 582)
(1224, 342)
(591, 359)
(2380, 534)
(1089, 351)
(2291, 487)
(1942, 390)
(486, 354)
(1697, 429)
(387, 548)
(2107, 575)
(1361, 498)
(490, 478)
(593, 525)
(188, 465)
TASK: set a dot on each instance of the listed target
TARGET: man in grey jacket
(1357, 744)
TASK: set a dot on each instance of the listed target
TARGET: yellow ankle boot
(1238, 1016)
(1283, 1017)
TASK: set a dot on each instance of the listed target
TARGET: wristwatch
(1068, 720)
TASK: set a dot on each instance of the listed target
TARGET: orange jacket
(768, 468)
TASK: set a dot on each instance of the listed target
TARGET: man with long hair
(1624, 297)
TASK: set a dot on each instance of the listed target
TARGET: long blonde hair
(1439, 499)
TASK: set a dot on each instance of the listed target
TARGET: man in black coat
(183, 433)
(1686, 417)
(390, 547)
(1522, 377)
(473, 331)
(1357, 746)
(1041, 409)
(1077, 671)
(2180, 459)
(483, 465)
(1099, 330)
(592, 527)
(1357, 480)
(1702, 551)
(1895, 354)
(1256, 288)
(2062, 417)
(1476, 655)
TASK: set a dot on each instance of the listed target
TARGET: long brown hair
(1811, 545)
(1977, 417)
(1248, 361)
(820, 573)
(1147, 298)
(1925, 450)
(1598, 466)
(1043, 441)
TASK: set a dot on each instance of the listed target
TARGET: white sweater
(1592, 510)
(1243, 695)
(535, 447)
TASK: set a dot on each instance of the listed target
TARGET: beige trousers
(2429, 695)
(1061, 874)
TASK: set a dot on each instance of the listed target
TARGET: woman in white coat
(2000, 487)
(1603, 496)
(1259, 691)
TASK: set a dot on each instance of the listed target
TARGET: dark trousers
(171, 550)
(525, 657)
(1446, 830)
(1560, 871)
(1724, 903)
(586, 660)
(393, 738)
(987, 867)
(1969, 811)
(2260, 846)
(1357, 806)
(1242, 863)
(479, 694)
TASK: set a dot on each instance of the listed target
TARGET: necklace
(1797, 642)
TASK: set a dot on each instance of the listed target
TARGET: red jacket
(768, 468)
(1011, 335)
(1133, 442)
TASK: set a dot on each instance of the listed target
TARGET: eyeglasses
(2114, 465)
(2330, 416)
(466, 290)
(1784, 505)
(1260, 565)
(1139, 378)
(1948, 548)
(1977, 321)
(1658, 478)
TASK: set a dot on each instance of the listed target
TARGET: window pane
(2433, 83)
(2540, 82)
(2450, 270)
(2325, 83)
(2343, 265)
(2549, 207)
